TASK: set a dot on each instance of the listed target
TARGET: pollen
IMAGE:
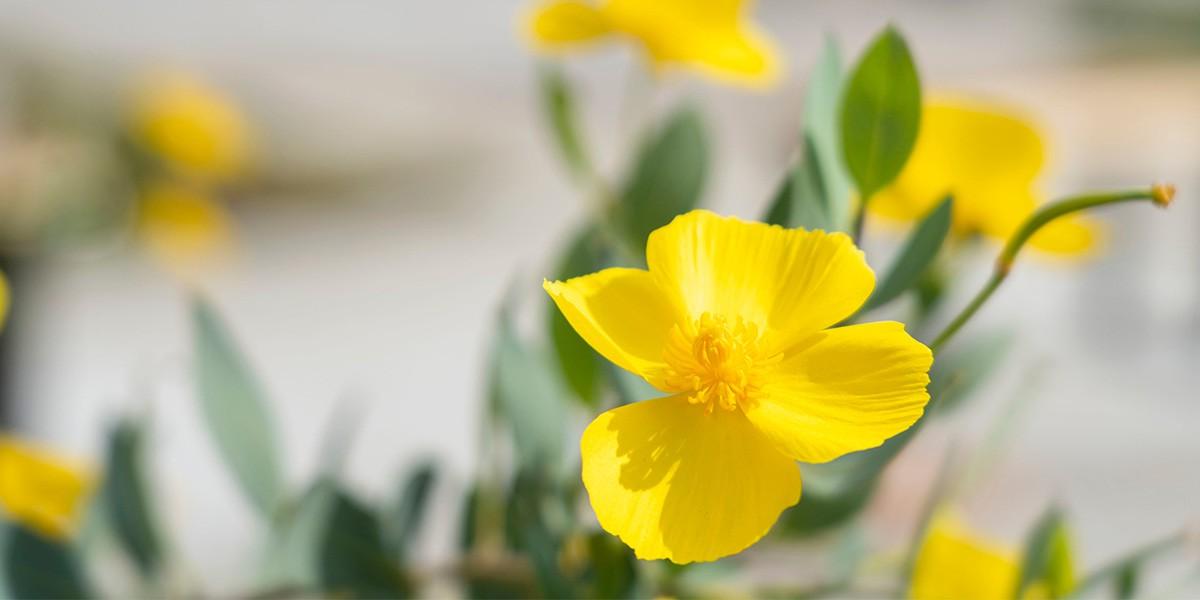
(716, 362)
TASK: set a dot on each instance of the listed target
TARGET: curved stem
(1160, 195)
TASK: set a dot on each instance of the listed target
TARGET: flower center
(716, 362)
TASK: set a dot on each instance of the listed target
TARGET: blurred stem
(1161, 195)
(860, 218)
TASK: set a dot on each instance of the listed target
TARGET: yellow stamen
(716, 362)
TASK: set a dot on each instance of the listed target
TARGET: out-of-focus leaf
(291, 556)
(1126, 584)
(823, 145)
(405, 520)
(629, 387)
(558, 103)
(955, 376)
(467, 515)
(613, 567)
(36, 567)
(836, 491)
(580, 365)
(530, 397)
(1047, 557)
(802, 200)
(1125, 565)
(531, 532)
(235, 410)
(916, 256)
(126, 500)
(352, 559)
(881, 113)
(667, 179)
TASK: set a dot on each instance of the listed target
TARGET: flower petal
(844, 390)
(566, 22)
(619, 312)
(676, 483)
(792, 281)
(953, 563)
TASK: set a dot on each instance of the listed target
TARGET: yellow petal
(673, 482)
(979, 152)
(955, 563)
(566, 22)
(621, 313)
(183, 228)
(192, 126)
(843, 390)
(5, 298)
(792, 281)
(39, 489)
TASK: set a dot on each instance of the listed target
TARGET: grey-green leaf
(578, 363)
(126, 499)
(352, 559)
(916, 256)
(881, 113)
(36, 567)
(409, 511)
(667, 178)
(558, 103)
(955, 376)
(529, 396)
(1047, 557)
(235, 410)
(802, 199)
(821, 136)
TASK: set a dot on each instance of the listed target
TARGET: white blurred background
(386, 298)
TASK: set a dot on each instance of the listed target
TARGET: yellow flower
(193, 127)
(709, 35)
(40, 490)
(954, 562)
(182, 227)
(5, 296)
(990, 159)
(731, 322)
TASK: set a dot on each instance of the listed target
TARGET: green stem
(1160, 195)
(860, 218)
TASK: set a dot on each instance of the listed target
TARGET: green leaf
(405, 519)
(352, 559)
(823, 146)
(1125, 565)
(529, 396)
(579, 364)
(916, 256)
(613, 567)
(1047, 557)
(235, 410)
(558, 103)
(126, 501)
(956, 375)
(295, 536)
(37, 567)
(802, 200)
(529, 530)
(881, 113)
(667, 177)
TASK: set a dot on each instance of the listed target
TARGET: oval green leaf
(881, 113)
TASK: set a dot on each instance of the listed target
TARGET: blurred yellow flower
(989, 158)
(5, 298)
(731, 322)
(954, 562)
(183, 227)
(709, 35)
(40, 490)
(193, 127)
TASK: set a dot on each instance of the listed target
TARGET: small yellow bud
(1163, 193)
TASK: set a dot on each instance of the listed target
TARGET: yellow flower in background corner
(182, 227)
(732, 321)
(990, 159)
(955, 562)
(41, 490)
(709, 35)
(192, 126)
(5, 299)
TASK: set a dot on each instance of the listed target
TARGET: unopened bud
(1163, 194)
